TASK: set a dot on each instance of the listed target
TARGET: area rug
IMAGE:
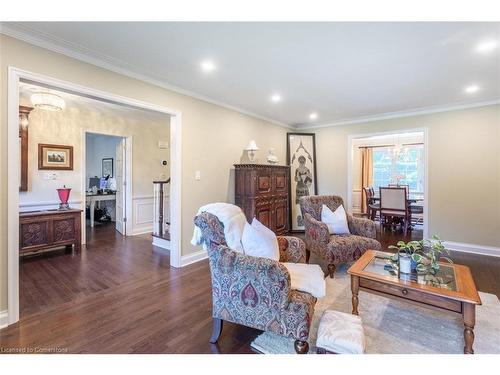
(396, 327)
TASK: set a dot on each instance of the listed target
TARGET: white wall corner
(4, 319)
(193, 258)
(473, 249)
(162, 243)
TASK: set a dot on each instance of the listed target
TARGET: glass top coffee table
(451, 289)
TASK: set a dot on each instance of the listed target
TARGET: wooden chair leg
(216, 330)
(308, 255)
(301, 347)
(331, 270)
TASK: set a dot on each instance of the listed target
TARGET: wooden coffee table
(453, 291)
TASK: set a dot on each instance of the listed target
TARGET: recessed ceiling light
(487, 46)
(276, 98)
(208, 66)
(472, 89)
(313, 116)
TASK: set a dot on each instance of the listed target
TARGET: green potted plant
(404, 254)
(430, 252)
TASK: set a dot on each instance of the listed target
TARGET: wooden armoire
(262, 192)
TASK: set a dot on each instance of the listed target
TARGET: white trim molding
(403, 113)
(161, 242)
(193, 258)
(45, 205)
(24, 33)
(4, 319)
(473, 249)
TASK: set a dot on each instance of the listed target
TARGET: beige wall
(212, 140)
(66, 128)
(464, 169)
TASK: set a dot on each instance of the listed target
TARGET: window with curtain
(404, 166)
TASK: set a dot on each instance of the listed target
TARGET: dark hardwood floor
(121, 296)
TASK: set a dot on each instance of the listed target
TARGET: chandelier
(47, 101)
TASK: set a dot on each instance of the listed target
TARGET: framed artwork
(55, 157)
(107, 167)
(301, 157)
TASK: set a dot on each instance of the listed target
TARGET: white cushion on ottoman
(339, 332)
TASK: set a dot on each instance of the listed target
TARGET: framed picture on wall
(301, 157)
(107, 167)
(55, 157)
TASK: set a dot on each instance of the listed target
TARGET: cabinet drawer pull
(405, 292)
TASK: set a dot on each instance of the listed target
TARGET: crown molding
(64, 47)
(401, 114)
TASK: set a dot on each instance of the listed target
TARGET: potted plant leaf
(404, 254)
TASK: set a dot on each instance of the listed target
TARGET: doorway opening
(73, 157)
(105, 176)
(387, 181)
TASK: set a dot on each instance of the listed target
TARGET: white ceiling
(343, 71)
(89, 104)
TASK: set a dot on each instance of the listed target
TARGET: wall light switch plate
(197, 175)
(163, 145)
(50, 176)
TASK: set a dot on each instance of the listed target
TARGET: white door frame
(425, 130)
(15, 75)
(128, 178)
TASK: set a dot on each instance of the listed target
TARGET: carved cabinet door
(64, 230)
(264, 212)
(34, 233)
(280, 208)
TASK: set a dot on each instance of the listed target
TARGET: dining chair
(416, 212)
(394, 204)
(407, 187)
(371, 206)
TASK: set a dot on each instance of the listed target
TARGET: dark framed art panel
(301, 157)
(107, 167)
(55, 157)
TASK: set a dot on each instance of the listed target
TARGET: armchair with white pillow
(259, 290)
(344, 239)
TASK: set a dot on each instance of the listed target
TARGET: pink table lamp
(64, 197)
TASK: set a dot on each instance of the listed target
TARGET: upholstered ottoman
(340, 333)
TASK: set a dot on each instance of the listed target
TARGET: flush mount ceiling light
(208, 66)
(487, 46)
(47, 101)
(313, 116)
(275, 98)
(471, 89)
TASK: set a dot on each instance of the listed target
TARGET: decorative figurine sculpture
(271, 158)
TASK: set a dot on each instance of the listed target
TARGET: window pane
(405, 167)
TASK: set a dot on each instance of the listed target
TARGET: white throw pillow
(260, 241)
(307, 278)
(336, 221)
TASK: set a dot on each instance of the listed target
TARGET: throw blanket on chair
(233, 219)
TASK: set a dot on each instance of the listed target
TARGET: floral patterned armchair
(335, 249)
(256, 292)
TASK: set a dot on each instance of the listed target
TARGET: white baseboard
(139, 231)
(4, 319)
(473, 249)
(193, 258)
(160, 242)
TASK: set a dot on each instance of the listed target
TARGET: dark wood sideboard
(42, 230)
(262, 192)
